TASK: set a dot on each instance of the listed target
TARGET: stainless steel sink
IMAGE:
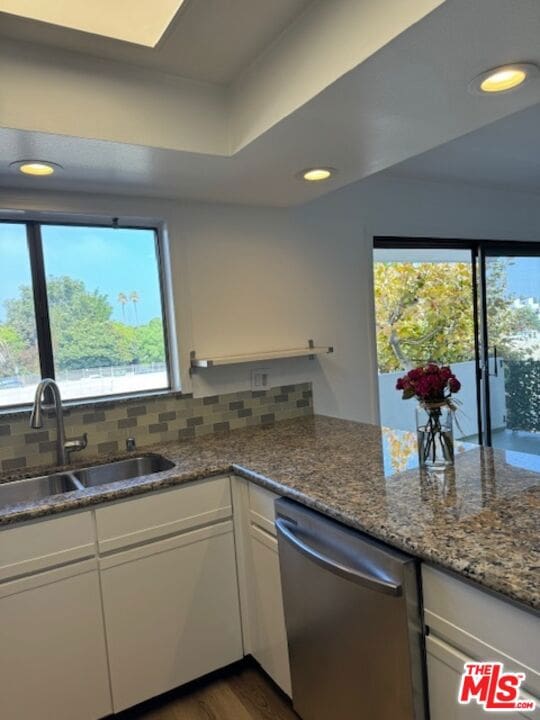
(122, 470)
(36, 488)
(39, 488)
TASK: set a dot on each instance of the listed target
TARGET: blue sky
(111, 261)
(524, 277)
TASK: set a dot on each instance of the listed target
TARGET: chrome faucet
(63, 446)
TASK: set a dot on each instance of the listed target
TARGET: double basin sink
(40, 488)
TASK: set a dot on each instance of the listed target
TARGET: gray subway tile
(245, 412)
(236, 405)
(13, 463)
(158, 427)
(127, 423)
(268, 419)
(193, 421)
(36, 437)
(281, 398)
(186, 433)
(136, 411)
(106, 448)
(166, 416)
(302, 403)
(258, 393)
(221, 427)
(48, 446)
(93, 417)
(285, 389)
(211, 400)
(5, 430)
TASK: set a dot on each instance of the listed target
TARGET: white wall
(258, 278)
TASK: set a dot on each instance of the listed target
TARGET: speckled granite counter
(480, 520)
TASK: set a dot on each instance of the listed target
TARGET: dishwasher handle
(285, 530)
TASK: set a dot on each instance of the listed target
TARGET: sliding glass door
(474, 306)
(511, 342)
(425, 301)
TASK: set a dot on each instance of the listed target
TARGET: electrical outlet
(260, 379)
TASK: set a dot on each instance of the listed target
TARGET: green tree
(149, 342)
(134, 297)
(424, 311)
(122, 299)
(12, 348)
(82, 330)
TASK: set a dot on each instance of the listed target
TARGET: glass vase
(434, 429)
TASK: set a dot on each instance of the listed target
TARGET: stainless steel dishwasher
(353, 621)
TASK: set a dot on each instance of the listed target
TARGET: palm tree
(122, 299)
(134, 297)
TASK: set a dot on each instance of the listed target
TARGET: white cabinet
(53, 663)
(467, 624)
(445, 665)
(171, 605)
(262, 609)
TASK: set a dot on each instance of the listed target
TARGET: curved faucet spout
(63, 447)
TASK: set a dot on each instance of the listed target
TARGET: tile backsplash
(149, 420)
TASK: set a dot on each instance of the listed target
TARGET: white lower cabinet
(171, 605)
(467, 624)
(445, 666)
(53, 663)
(265, 635)
(171, 613)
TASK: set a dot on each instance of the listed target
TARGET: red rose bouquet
(432, 385)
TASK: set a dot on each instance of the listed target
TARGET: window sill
(109, 401)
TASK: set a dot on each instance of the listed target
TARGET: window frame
(41, 304)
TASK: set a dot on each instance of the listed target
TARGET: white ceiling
(505, 154)
(404, 100)
(209, 40)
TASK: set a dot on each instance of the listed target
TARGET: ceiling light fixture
(39, 168)
(502, 79)
(316, 174)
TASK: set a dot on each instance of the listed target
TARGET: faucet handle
(76, 444)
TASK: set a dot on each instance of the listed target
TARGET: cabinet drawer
(43, 544)
(142, 519)
(445, 665)
(481, 625)
(261, 508)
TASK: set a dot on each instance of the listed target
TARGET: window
(81, 304)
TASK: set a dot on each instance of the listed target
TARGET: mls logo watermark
(487, 684)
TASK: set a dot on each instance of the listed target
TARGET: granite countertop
(480, 520)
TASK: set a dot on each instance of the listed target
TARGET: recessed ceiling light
(316, 174)
(502, 79)
(136, 21)
(36, 167)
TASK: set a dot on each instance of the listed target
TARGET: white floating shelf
(309, 351)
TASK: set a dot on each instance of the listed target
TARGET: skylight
(142, 22)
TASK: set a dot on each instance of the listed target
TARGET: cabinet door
(53, 663)
(445, 665)
(171, 612)
(267, 619)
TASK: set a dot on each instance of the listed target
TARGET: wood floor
(241, 692)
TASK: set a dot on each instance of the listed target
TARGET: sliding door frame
(479, 250)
